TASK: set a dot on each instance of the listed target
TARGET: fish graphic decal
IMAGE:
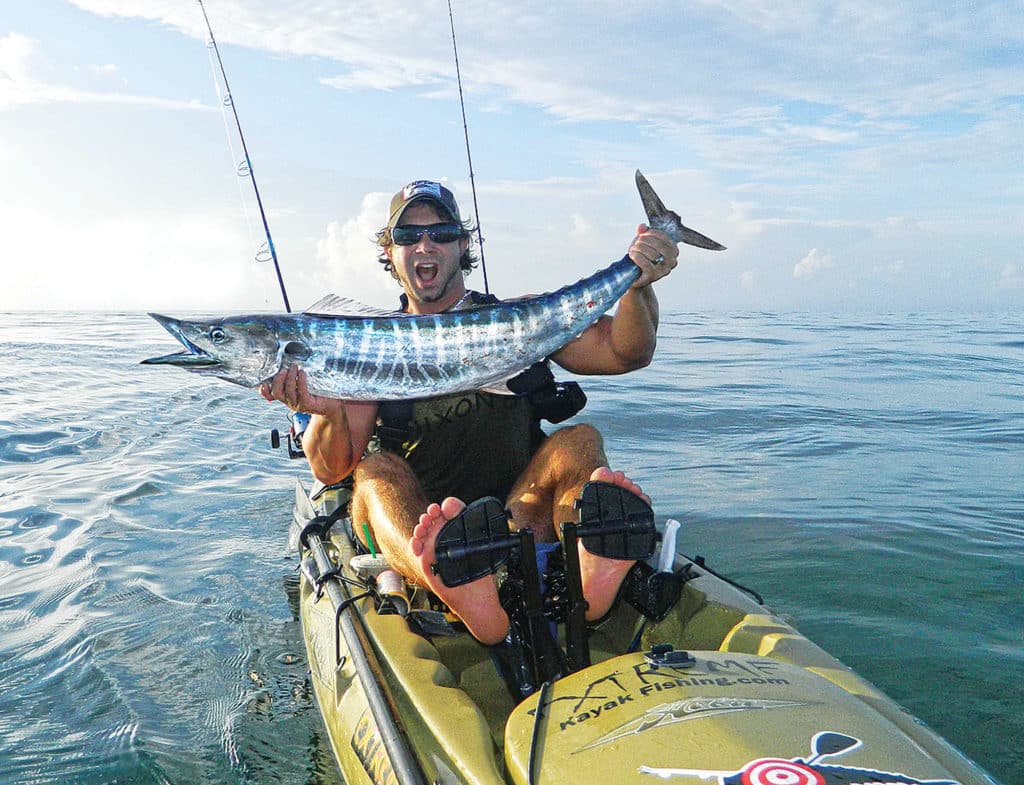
(799, 771)
(697, 708)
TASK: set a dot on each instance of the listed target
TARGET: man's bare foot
(600, 575)
(476, 603)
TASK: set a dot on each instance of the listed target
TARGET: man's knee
(581, 436)
(386, 466)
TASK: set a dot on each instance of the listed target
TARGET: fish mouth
(193, 358)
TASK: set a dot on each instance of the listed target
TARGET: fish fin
(333, 305)
(698, 240)
(660, 217)
(653, 205)
(498, 388)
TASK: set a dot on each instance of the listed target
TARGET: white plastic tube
(668, 546)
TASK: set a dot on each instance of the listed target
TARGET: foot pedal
(474, 543)
(652, 593)
(615, 523)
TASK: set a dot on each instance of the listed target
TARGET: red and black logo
(799, 771)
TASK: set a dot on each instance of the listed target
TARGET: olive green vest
(471, 444)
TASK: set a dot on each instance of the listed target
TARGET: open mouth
(426, 271)
(193, 358)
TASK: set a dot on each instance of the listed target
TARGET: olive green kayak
(699, 684)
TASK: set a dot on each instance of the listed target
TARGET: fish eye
(218, 334)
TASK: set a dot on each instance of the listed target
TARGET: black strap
(552, 401)
(321, 524)
(394, 425)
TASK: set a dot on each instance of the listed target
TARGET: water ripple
(862, 473)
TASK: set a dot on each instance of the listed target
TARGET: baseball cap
(419, 190)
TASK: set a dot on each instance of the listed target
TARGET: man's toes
(450, 507)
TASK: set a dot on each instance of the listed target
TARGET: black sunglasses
(410, 234)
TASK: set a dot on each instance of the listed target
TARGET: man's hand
(654, 253)
(289, 386)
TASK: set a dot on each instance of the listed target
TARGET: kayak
(691, 680)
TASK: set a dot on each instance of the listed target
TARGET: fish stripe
(398, 357)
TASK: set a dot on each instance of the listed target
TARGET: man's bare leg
(476, 602)
(543, 498)
(389, 498)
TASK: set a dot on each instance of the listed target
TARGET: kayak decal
(689, 709)
(798, 771)
(369, 748)
(645, 683)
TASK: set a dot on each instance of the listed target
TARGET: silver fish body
(398, 357)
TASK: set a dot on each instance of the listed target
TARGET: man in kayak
(466, 446)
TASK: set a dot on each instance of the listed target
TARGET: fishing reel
(299, 421)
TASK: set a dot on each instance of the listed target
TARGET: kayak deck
(756, 690)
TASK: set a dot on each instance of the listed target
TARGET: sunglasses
(410, 234)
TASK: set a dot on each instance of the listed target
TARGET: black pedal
(652, 593)
(615, 523)
(474, 543)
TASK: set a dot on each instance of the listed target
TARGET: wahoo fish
(358, 353)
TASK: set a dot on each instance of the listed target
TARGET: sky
(853, 156)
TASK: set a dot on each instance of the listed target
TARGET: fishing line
(245, 168)
(224, 101)
(469, 156)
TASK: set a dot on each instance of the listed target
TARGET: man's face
(428, 271)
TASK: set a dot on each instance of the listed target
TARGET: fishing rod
(245, 168)
(469, 156)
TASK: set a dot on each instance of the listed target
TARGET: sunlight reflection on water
(863, 474)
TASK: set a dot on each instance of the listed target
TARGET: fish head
(241, 349)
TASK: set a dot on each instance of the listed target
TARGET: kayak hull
(753, 702)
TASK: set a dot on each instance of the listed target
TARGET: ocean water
(863, 473)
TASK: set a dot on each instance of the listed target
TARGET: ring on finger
(658, 259)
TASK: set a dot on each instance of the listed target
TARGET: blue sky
(852, 156)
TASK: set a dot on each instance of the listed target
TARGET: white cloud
(581, 229)
(1011, 277)
(129, 263)
(19, 84)
(16, 54)
(347, 257)
(814, 262)
(747, 279)
(107, 71)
